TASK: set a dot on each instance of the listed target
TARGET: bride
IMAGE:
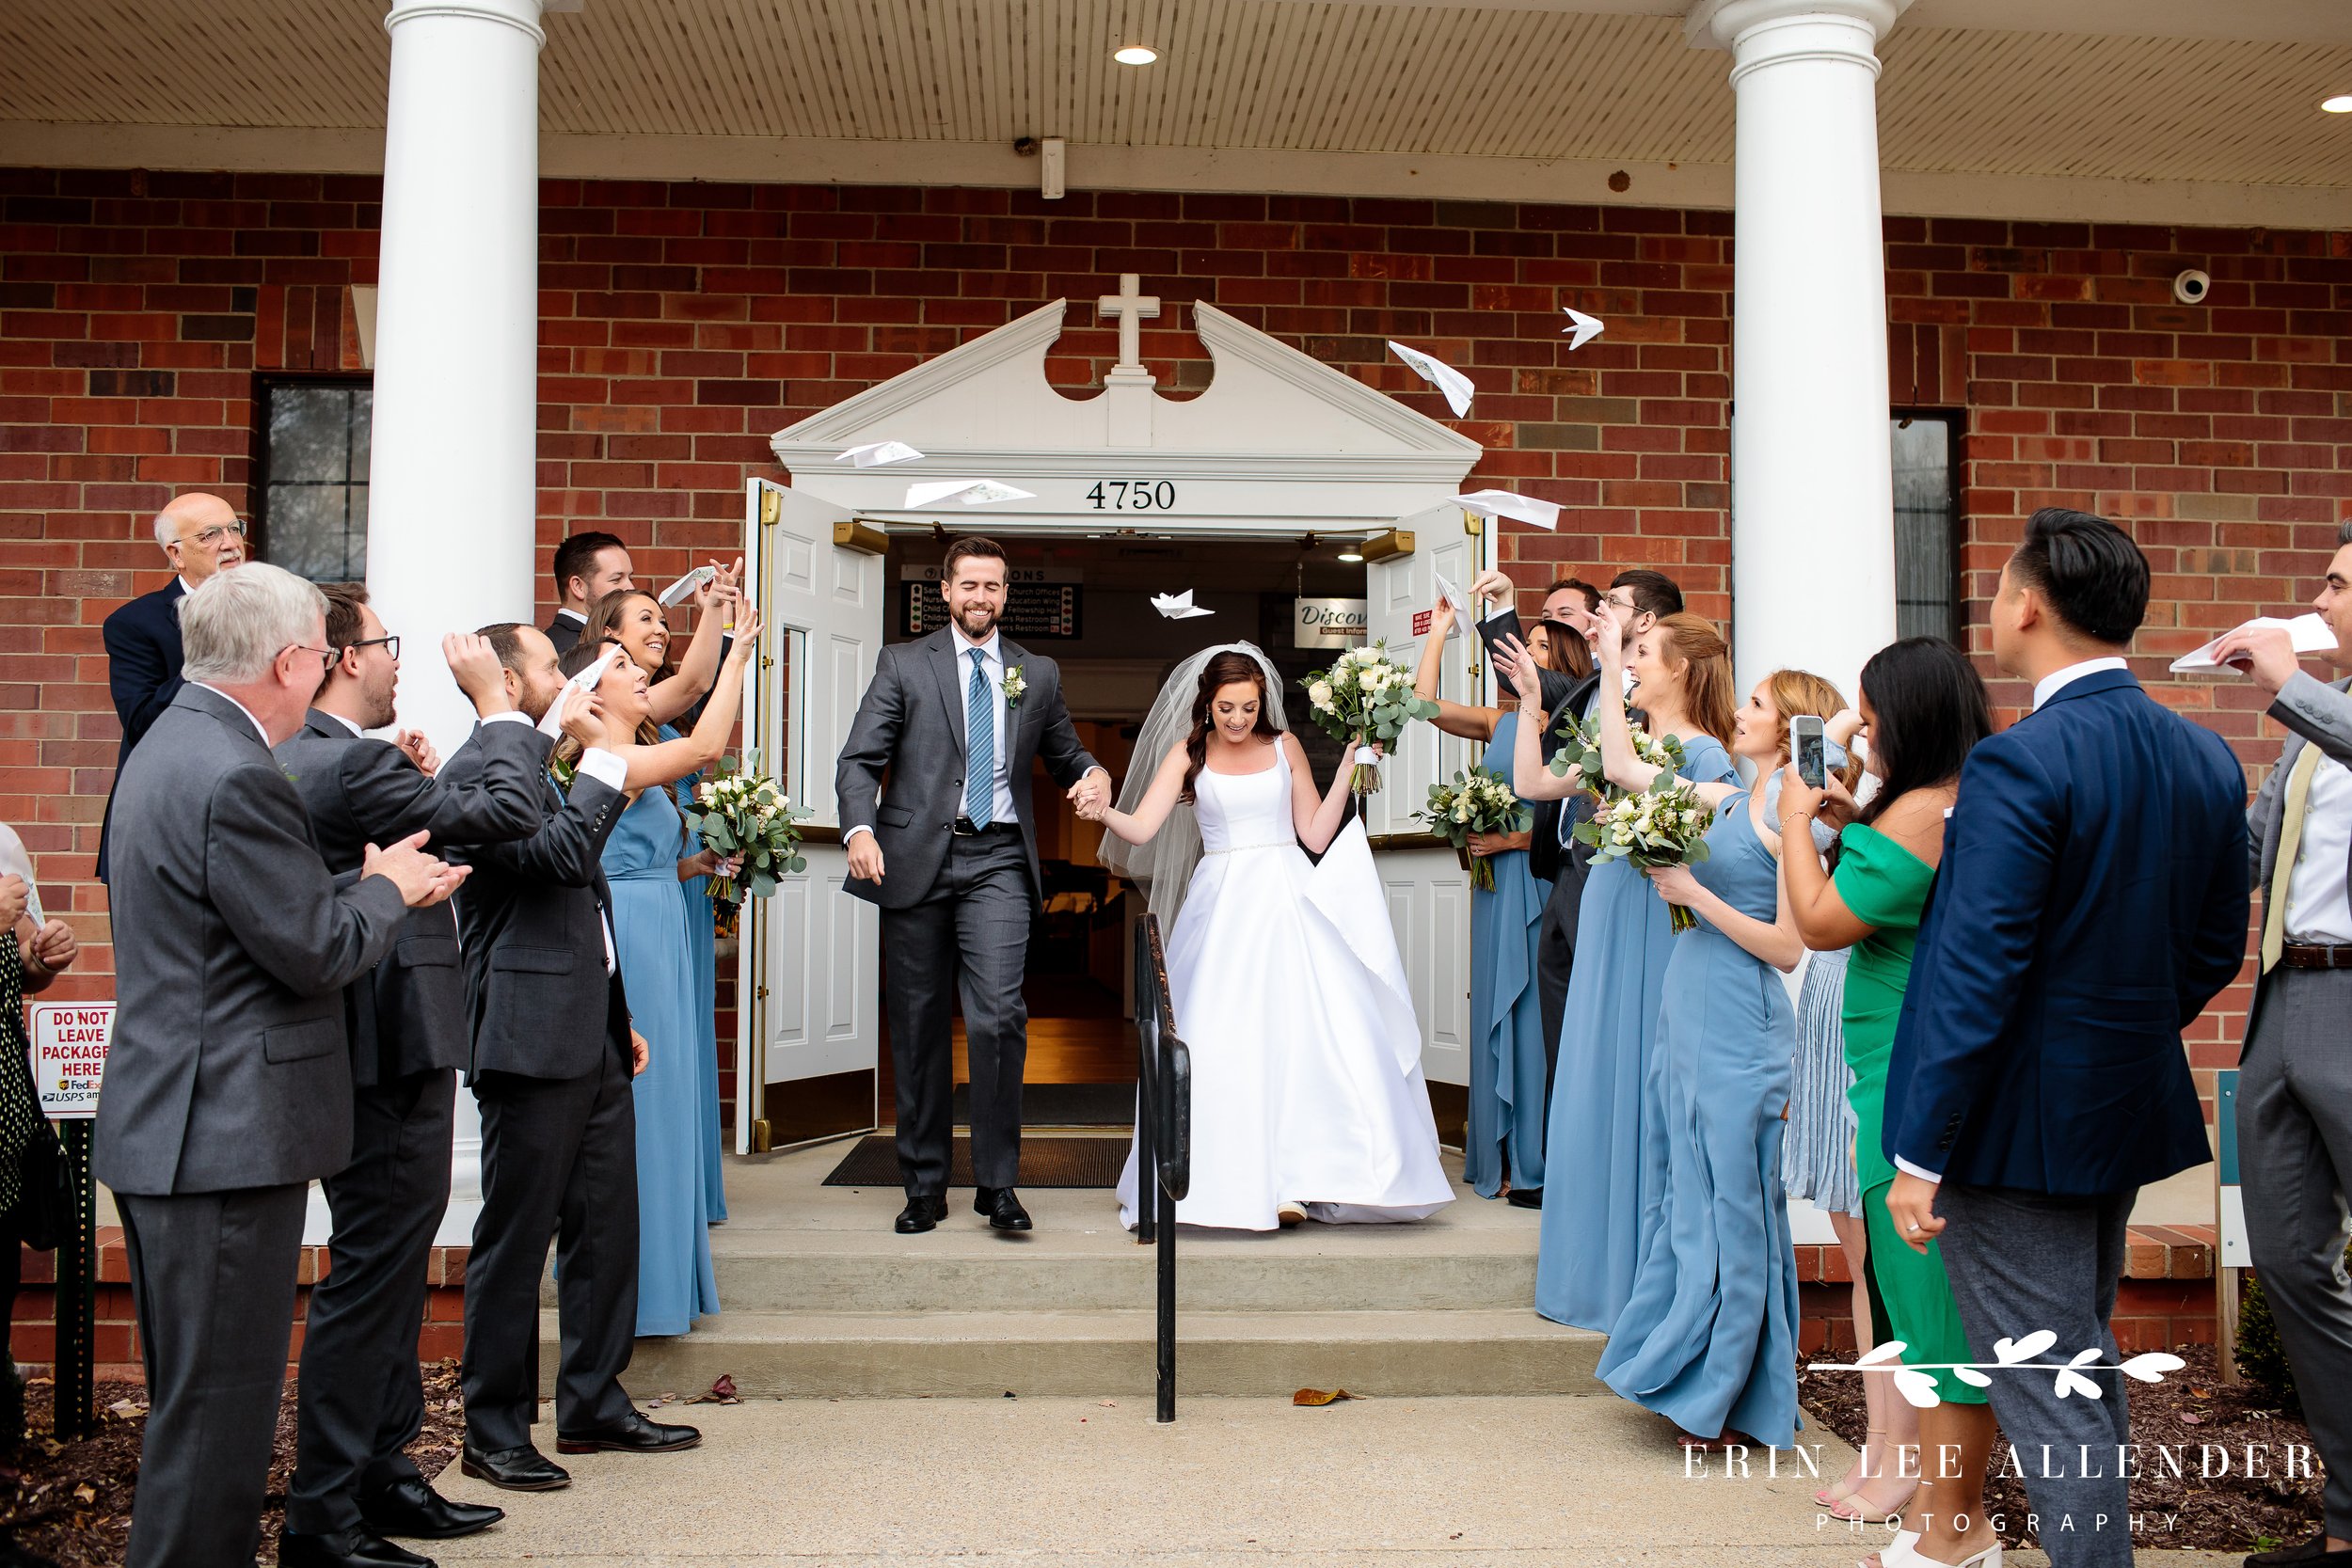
(1307, 1095)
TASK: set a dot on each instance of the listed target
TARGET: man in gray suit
(553, 1058)
(2295, 1080)
(228, 1085)
(363, 1400)
(963, 886)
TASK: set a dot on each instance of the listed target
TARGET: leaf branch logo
(2014, 1355)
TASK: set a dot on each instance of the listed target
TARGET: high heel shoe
(1905, 1553)
(1904, 1541)
(1830, 1495)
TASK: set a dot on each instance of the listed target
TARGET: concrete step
(1110, 1353)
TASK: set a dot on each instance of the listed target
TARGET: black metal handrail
(1163, 1136)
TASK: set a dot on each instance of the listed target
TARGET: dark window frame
(264, 382)
(1955, 423)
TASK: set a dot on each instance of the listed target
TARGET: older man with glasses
(201, 535)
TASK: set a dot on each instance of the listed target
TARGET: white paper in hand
(15, 861)
(1453, 596)
(2308, 633)
(1178, 607)
(1509, 503)
(551, 722)
(873, 454)
(963, 492)
(1444, 377)
(1586, 327)
(686, 587)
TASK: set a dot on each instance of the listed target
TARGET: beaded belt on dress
(1245, 849)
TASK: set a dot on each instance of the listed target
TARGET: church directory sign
(70, 1042)
(1042, 603)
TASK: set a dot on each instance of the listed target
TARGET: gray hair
(2344, 534)
(166, 533)
(236, 624)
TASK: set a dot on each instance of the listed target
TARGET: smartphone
(1811, 750)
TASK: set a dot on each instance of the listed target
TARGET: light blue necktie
(979, 729)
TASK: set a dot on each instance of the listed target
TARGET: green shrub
(2261, 1356)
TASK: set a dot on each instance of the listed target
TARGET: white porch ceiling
(1519, 89)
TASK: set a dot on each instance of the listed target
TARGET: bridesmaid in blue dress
(1606, 1152)
(647, 860)
(1503, 1149)
(702, 935)
(1708, 1335)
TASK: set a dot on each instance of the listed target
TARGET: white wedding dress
(1306, 1057)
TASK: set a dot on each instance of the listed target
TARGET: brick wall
(682, 323)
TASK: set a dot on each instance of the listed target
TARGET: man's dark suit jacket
(531, 915)
(233, 945)
(408, 1014)
(2091, 900)
(142, 640)
(564, 632)
(1563, 695)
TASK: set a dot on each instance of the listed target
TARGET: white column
(453, 504)
(1813, 533)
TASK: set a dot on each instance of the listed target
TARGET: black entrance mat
(1044, 1162)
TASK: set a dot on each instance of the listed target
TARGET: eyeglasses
(1626, 603)
(390, 644)
(326, 655)
(212, 536)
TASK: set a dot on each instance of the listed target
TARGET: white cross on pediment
(1129, 307)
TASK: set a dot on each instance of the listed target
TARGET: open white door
(1428, 891)
(808, 973)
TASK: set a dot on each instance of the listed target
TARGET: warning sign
(70, 1056)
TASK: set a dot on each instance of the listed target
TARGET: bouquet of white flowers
(1583, 751)
(1664, 825)
(747, 817)
(1475, 802)
(1365, 696)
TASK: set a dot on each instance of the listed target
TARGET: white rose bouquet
(747, 817)
(1475, 802)
(1583, 751)
(1365, 696)
(1664, 825)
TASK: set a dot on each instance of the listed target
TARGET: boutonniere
(564, 773)
(1014, 686)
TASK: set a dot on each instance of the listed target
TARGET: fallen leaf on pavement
(1317, 1397)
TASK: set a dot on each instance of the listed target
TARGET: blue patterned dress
(1605, 1157)
(1708, 1335)
(1507, 1066)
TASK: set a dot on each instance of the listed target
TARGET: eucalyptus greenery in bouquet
(1583, 751)
(747, 817)
(1664, 825)
(1365, 696)
(1475, 802)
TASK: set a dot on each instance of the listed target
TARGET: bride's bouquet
(1365, 696)
(751, 819)
(1664, 825)
(1475, 802)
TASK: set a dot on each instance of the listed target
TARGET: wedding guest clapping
(2294, 1081)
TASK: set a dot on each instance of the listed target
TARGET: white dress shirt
(2319, 906)
(568, 610)
(1001, 808)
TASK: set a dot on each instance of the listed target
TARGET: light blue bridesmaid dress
(1605, 1157)
(674, 1283)
(1507, 1066)
(1708, 1335)
(701, 937)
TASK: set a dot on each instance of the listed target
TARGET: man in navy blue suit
(199, 534)
(2092, 898)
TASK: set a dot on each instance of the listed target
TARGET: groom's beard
(977, 621)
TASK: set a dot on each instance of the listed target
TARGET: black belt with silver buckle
(2304, 954)
(964, 827)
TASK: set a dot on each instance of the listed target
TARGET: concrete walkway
(1568, 1479)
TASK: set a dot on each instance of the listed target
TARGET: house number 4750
(1133, 494)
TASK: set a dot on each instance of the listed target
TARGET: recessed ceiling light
(1137, 54)
(2340, 105)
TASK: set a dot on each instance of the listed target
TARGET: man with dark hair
(1646, 591)
(2092, 899)
(361, 1399)
(2295, 1078)
(587, 567)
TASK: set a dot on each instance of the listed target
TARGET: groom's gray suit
(956, 905)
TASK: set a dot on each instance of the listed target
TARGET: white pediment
(1277, 440)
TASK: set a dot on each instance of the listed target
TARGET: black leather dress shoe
(1002, 1208)
(2314, 1553)
(923, 1212)
(631, 1434)
(519, 1469)
(345, 1548)
(1524, 1198)
(411, 1508)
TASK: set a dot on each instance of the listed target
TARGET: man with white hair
(199, 534)
(229, 1085)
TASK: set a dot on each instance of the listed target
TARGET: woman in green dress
(1925, 707)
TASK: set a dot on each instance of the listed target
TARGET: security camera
(2191, 287)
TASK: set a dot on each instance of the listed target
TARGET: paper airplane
(1444, 377)
(1178, 607)
(965, 492)
(1453, 596)
(685, 588)
(1508, 503)
(1586, 327)
(2308, 633)
(551, 722)
(873, 454)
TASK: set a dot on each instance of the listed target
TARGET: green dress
(1885, 886)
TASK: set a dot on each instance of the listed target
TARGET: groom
(952, 859)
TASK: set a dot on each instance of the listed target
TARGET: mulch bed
(70, 1503)
(2189, 1409)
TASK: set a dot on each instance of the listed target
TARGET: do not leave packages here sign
(70, 1042)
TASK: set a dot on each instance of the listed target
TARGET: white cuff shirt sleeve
(852, 831)
(605, 767)
(1909, 1169)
